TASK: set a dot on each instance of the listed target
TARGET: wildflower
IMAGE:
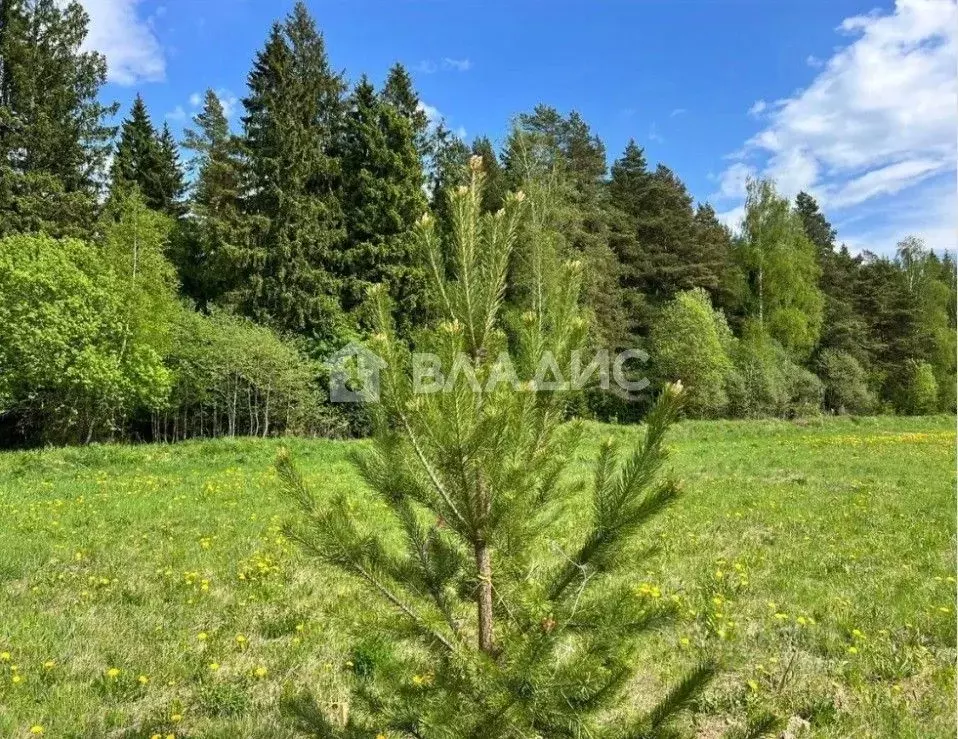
(113, 673)
(143, 679)
(176, 718)
(753, 685)
(49, 664)
(240, 639)
(202, 636)
(16, 679)
(5, 656)
(853, 650)
(214, 666)
(36, 730)
(260, 671)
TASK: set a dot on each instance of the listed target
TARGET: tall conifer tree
(292, 132)
(382, 198)
(53, 137)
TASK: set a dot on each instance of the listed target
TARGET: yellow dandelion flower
(113, 673)
(5, 656)
(16, 679)
(260, 671)
(49, 664)
(214, 666)
(202, 636)
(176, 718)
(143, 679)
(853, 650)
(36, 730)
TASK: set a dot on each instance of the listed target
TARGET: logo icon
(354, 374)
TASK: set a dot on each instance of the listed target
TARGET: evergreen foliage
(382, 198)
(209, 251)
(507, 635)
(292, 135)
(53, 137)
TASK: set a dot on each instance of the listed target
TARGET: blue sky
(853, 100)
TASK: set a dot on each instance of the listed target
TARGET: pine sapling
(506, 623)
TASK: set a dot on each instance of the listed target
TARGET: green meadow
(148, 590)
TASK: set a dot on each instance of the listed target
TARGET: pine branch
(680, 697)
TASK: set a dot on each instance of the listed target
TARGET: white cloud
(878, 118)
(133, 52)
(456, 65)
(446, 64)
(677, 112)
(196, 99)
(461, 133)
(177, 115)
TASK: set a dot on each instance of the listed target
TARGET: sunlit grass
(149, 591)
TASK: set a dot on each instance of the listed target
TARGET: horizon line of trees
(192, 288)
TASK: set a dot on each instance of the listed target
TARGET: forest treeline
(164, 289)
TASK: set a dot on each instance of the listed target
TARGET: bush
(765, 382)
(689, 342)
(919, 389)
(846, 383)
(73, 365)
(235, 377)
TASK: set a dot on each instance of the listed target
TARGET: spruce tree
(292, 136)
(53, 137)
(209, 250)
(145, 162)
(399, 91)
(382, 198)
(500, 624)
(172, 183)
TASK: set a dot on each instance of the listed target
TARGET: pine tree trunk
(484, 598)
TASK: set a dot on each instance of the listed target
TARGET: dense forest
(160, 289)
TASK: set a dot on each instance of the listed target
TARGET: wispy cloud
(677, 112)
(127, 39)
(876, 122)
(446, 64)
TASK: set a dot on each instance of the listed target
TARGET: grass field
(147, 590)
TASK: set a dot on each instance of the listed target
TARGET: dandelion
(260, 671)
(16, 679)
(853, 650)
(214, 666)
(240, 639)
(113, 673)
(202, 636)
(176, 718)
(5, 656)
(143, 679)
(49, 664)
(36, 730)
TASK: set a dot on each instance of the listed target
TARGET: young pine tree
(502, 626)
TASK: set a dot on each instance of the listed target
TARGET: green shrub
(76, 358)
(235, 377)
(919, 389)
(846, 383)
(689, 342)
